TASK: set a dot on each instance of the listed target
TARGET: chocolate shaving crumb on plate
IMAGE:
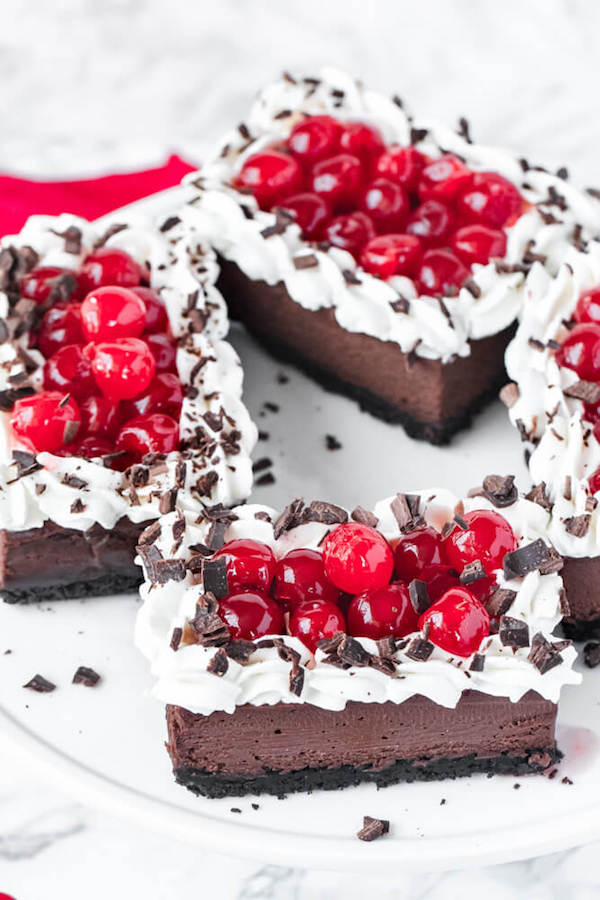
(40, 684)
(373, 829)
(86, 676)
(332, 443)
(591, 654)
(263, 480)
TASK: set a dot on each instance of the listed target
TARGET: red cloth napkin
(90, 198)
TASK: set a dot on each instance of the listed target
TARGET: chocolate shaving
(169, 223)
(359, 514)
(419, 596)
(352, 652)
(350, 277)
(554, 563)
(477, 663)
(332, 443)
(25, 462)
(543, 654)
(405, 508)
(9, 397)
(510, 394)
(326, 513)
(166, 570)
(305, 261)
(215, 538)
(591, 654)
(219, 663)
(167, 502)
(578, 526)
(513, 632)
(176, 638)
(289, 518)
(472, 572)
(525, 559)
(86, 676)
(330, 645)
(500, 490)
(40, 684)
(373, 829)
(150, 556)
(537, 494)
(401, 305)
(207, 628)
(419, 649)
(588, 391)
(214, 576)
(150, 534)
(240, 650)
(386, 647)
(500, 602)
(296, 679)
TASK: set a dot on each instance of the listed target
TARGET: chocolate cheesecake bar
(119, 399)
(387, 257)
(320, 649)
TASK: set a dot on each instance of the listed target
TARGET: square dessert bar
(387, 257)
(320, 649)
(119, 399)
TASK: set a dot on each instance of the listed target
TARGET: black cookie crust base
(98, 587)
(206, 784)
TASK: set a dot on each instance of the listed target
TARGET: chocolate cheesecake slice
(120, 399)
(320, 649)
(386, 257)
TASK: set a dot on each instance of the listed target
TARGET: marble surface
(93, 86)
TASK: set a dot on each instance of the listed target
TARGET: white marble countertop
(93, 86)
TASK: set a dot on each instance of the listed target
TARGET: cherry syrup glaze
(109, 373)
(359, 585)
(435, 217)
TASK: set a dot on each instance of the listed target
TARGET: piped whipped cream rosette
(427, 595)
(410, 231)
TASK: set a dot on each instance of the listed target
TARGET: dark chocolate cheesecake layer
(581, 579)
(431, 399)
(291, 747)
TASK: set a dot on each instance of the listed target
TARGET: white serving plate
(106, 744)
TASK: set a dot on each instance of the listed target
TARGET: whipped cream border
(183, 269)
(431, 329)
(182, 677)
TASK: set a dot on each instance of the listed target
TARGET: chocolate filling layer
(581, 579)
(54, 563)
(289, 747)
(430, 399)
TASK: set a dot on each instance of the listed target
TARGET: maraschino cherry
(478, 244)
(391, 254)
(300, 576)
(156, 314)
(122, 368)
(490, 199)
(315, 138)
(38, 283)
(488, 538)
(46, 421)
(112, 312)
(311, 213)
(163, 350)
(69, 370)
(444, 178)
(311, 622)
(100, 416)
(580, 351)
(250, 615)
(416, 550)
(432, 222)
(271, 176)
(250, 565)
(357, 558)
(60, 325)
(163, 394)
(457, 622)
(402, 165)
(387, 205)
(153, 433)
(338, 180)
(350, 232)
(382, 612)
(441, 272)
(594, 482)
(109, 266)
(363, 141)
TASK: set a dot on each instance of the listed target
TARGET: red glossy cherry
(69, 370)
(271, 176)
(357, 558)
(443, 178)
(250, 564)
(314, 138)
(382, 612)
(109, 266)
(457, 622)
(156, 314)
(415, 550)
(594, 482)
(311, 622)
(432, 222)
(164, 351)
(402, 165)
(91, 447)
(37, 285)
(387, 205)
(61, 325)
(441, 272)
(580, 351)
(311, 213)
(363, 141)
(300, 577)
(478, 244)
(491, 200)
(487, 538)
(100, 416)
(438, 578)
(112, 312)
(391, 254)
(588, 307)
(350, 232)
(123, 368)
(250, 615)
(338, 179)
(591, 412)
(45, 421)
(164, 394)
(154, 433)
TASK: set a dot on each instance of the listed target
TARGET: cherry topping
(100, 416)
(46, 421)
(438, 578)
(314, 138)
(154, 433)
(122, 368)
(311, 212)
(357, 558)
(402, 165)
(382, 612)
(250, 565)
(361, 140)
(457, 622)
(156, 314)
(300, 576)
(491, 200)
(338, 180)
(478, 243)
(163, 350)
(594, 482)
(441, 272)
(164, 394)
(91, 447)
(391, 254)
(61, 325)
(112, 312)
(444, 178)
(432, 221)
(387, 205)
(250, 615)
(350, 232)
(109, 266)
(311, 622)
(271, 176)
(488, 538)
(588, 307)
(38, 283)
(580, 351)
(415, 550)
(69, 370)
